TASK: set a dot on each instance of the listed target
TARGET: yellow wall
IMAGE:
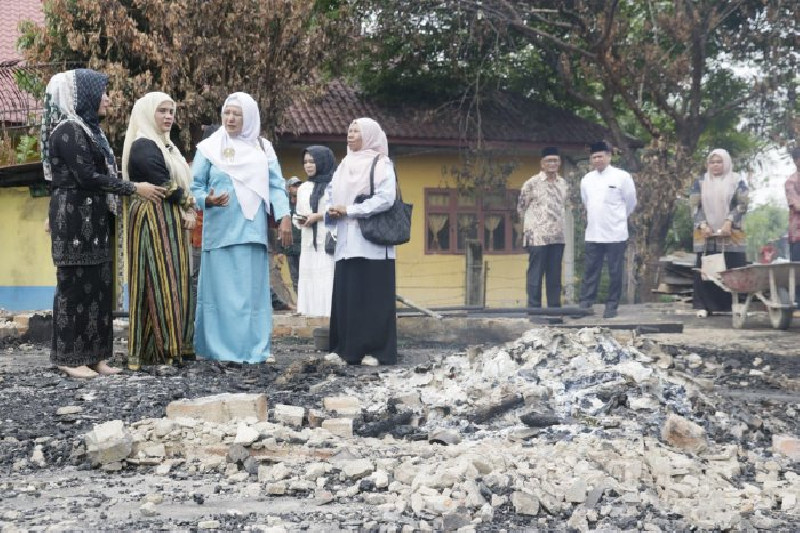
(438, 280)
(432, 280)
(26, 259)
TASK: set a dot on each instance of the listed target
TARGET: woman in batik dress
(78, 162)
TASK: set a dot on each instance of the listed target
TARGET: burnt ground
(754, 375)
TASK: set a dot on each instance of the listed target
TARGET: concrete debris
(594, 404)
(245, 435)
(108, 443)
(787, 445)
(684, 434)
(570, 428)
(221, 408)
(290, 415)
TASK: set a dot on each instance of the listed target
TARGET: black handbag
(389, 227)
(330, 243)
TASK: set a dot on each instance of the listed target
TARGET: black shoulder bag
(390, 227)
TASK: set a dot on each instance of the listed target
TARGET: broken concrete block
(290, 415)
(246, 435)
(576, 493)
(358, 468)
(163, 427)
(786, 445)
(21, 322)
(684, 434)
(342, 427)
(342, 405)
(525, 503)
(108, 443)
(221, 408)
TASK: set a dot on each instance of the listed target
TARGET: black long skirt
(707, 294)
(83, 328)
(363, 310)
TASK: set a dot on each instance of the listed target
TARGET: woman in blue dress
(237, 179)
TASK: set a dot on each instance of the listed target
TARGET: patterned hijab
(143, 125)
(74, 96)
(325, 163)
(352, 176)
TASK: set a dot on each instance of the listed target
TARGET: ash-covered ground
(559, 429)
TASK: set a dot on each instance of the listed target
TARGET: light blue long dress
(234, 309)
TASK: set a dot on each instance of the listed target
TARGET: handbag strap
(372, 176)
(372, 180)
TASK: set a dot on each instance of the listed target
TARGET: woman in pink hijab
(363, 326)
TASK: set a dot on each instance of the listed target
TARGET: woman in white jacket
(363, 326)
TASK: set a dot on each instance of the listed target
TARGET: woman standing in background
(316, 265)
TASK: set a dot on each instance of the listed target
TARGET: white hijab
(716, 192)
(249, 166)
(352, 175)
(142, 125)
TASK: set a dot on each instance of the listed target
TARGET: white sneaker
(702, 313)
(334, 359)
(369, 361)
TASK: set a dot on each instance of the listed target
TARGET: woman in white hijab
(719, 201)
(161, 301)
(363, 326)
(237, 180)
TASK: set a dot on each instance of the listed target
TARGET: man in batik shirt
(542, 206)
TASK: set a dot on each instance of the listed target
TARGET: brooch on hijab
(227, 154)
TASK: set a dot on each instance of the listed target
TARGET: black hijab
(325, 162)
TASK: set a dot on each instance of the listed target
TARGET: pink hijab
(352, 176)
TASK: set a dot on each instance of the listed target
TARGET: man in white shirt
(609, 195)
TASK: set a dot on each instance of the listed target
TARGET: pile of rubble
(675, 274)
(558, 427)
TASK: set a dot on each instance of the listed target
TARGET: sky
(770, 170)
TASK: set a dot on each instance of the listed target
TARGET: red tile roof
(12, 12)
(16, 107)
(513, 122)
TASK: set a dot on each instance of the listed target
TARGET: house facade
(439, 266)
(426, 145)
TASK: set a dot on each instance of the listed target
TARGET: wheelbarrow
(773, 284)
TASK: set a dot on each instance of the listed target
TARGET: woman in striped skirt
(161, 300)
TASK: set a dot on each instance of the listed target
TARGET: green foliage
(27, 149)
(763, 225)
(198, 52)
(30, 81)
(679, 235)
